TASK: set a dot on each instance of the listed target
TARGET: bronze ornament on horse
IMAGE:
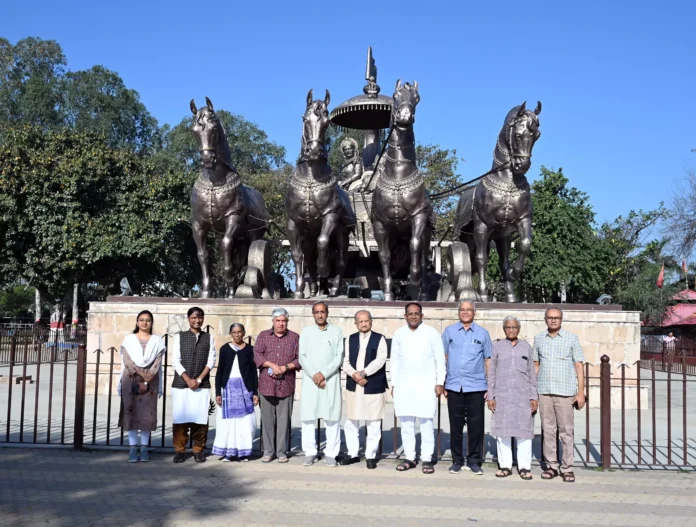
(402, 214)
(319, 215)
(500, 205)
(222, 204)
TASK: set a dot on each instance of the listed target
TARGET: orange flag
(661, 277)
(684, 266)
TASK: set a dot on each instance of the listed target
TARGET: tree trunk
(75, 310)
(37, 307)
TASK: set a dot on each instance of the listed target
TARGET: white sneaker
(310, 460)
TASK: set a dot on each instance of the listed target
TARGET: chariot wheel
(257, 278)
(459, 272)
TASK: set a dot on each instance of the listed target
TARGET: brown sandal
(568, 477)
(503, 473)
(526, 474)
(549, 473)
(428, 468)
(405, 465)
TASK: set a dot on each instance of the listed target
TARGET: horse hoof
(333, 291)
(388, 297)
(512, 299)
(298, 295)
(205, 294)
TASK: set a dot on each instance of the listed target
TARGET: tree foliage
(76, 210)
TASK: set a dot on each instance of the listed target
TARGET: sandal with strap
(568, 477)
(503, 473)
(282, 459)
(406, 465)
(549, 473)
(526, 474)
(428, 468)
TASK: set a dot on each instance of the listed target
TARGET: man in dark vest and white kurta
(366, 388)
(193, 355)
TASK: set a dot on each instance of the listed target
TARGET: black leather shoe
(350, 460)
(371, 463)
(179, 457)
(199, 457)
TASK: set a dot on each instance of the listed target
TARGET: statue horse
(220, 203)
(320, 217)
(402, 214)
(500, 204)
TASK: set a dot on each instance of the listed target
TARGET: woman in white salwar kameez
(236, 394)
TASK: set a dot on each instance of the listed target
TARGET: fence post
(80, 388)
(605, 411)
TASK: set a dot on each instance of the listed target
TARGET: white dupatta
(143, 359)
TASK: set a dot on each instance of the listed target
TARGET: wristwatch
(362, 374)
(198, 381)
(145, 383)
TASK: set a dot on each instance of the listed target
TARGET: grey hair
(279, 312)
(362, 311)
(473, 304)
(510, 318)
(237, 325)
(553, 308)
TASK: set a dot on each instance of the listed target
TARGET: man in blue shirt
(468, 350)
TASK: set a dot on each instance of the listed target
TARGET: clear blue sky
(616, 78)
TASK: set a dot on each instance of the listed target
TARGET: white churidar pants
(408, 438)
(524, 453)
(333, 438)
(352, 430)
(136, 438)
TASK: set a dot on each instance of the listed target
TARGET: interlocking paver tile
(66, 488)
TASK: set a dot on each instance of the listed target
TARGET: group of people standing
(512, 378)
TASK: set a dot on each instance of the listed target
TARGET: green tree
(16, 301)
(565, 251)
(30, 82)
(75, 210)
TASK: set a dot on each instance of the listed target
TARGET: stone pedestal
(601, 329)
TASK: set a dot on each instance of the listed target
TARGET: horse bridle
(309, 142)
(511, 127)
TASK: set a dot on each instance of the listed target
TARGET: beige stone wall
(612, 332)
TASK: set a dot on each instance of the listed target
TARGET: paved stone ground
(66, 488)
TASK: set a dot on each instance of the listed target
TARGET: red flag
(661, 277)
(684, 266)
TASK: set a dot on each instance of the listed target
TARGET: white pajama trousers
(408, 438)
(374, 433)
(524, 453)
(333, 438)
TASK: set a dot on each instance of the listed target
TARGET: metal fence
(638, 416)
(677, 356)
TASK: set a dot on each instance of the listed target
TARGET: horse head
(405, 100)
(210, 134)
(521, 131)
(314, 127)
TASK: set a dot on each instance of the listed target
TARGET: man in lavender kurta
(513, 399)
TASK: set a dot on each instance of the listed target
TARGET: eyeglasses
(466, 310)
(554, 319)
(511, 328)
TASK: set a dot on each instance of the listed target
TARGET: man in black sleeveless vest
(366, 387)
(193, 356)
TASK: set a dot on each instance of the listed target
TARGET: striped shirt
(557, 357)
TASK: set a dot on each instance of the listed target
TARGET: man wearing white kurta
(321, 354)
(366, 389)
(193, 355)
(417, 377)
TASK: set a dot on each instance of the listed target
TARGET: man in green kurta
(321, 354)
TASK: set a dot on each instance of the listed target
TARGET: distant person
(670, 341)
(140, 385)
(193, 357)
(236, 394)
(366, 389)
(321, 356)
(468, 351)
(559, 362)
(418, 376)
(276, 355)
(513, 399)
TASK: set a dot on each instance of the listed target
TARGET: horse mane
(223, 146)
